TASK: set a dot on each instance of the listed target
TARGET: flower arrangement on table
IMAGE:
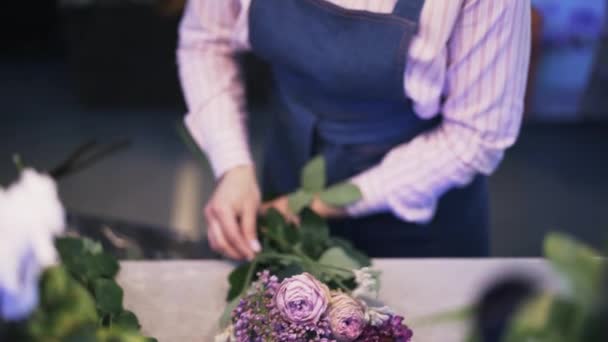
(301, 308)
(306, 285)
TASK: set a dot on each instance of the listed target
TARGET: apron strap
(409, 9)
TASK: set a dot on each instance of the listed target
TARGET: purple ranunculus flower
(302, 299)
(346, 317)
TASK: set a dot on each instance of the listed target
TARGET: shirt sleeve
(487, 62)
(210, 33)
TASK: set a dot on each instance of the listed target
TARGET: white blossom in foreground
(31, 215)
(368, 283)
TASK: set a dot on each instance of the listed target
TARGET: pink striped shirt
(469, 62)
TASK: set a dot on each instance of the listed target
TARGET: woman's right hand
(231, 214)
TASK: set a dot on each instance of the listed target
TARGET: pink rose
(302, 299)
(346, 317)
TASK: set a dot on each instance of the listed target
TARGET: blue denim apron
(339, 92)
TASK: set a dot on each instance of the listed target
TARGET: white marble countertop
(181, 301)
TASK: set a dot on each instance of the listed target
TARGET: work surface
(181, 301)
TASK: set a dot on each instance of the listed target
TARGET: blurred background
(73, 71)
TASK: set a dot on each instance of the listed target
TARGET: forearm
(211, 84)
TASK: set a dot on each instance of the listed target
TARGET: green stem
(302, 258)
(249, 277)
(286, 246)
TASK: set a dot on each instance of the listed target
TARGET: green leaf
(313, 175)
(83, 334)
(292, 234)
(341, 195)
(105, 265)
(237, 279)
(351, 251)
(54, 285)
(73, 256)
(299, 200)
(532, 316)
(69, 248)
(108, 296)
(314, 233)
(273, 218)
(336, 256)
(64, 306)
(226, 317)
(273, 230)
(562, 316)
(92, 247)
(579, 266)
(120, 335)
(127, 320)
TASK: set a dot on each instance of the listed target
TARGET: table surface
(181, 301)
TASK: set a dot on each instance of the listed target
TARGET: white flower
(31, 215)
(377, 316)
(368, 283)
(226, 336)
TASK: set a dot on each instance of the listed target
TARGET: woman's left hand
(282, 205)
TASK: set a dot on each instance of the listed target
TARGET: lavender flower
(302, 299)
(392, 330)
(346, 317)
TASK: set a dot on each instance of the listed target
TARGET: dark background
(107, 71)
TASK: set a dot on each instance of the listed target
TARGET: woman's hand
(282, 205)
(231, 214)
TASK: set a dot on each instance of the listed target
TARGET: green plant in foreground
(570, 314)
(79, 301)
(576, 312)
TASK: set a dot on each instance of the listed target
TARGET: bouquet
(302, 308)
(306, 285)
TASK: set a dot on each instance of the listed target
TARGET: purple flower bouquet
(310, 286)
(302, 308)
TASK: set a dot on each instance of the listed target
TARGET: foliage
(572, 313)
(79, 300)
(577, 312)
(313, 181)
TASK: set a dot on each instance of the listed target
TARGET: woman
(413, 101)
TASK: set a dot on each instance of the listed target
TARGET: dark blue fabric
(339, 92)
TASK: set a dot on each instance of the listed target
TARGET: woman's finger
(231, 231)
(248, 226)
(217, 238)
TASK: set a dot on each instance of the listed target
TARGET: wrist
(247, 170)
